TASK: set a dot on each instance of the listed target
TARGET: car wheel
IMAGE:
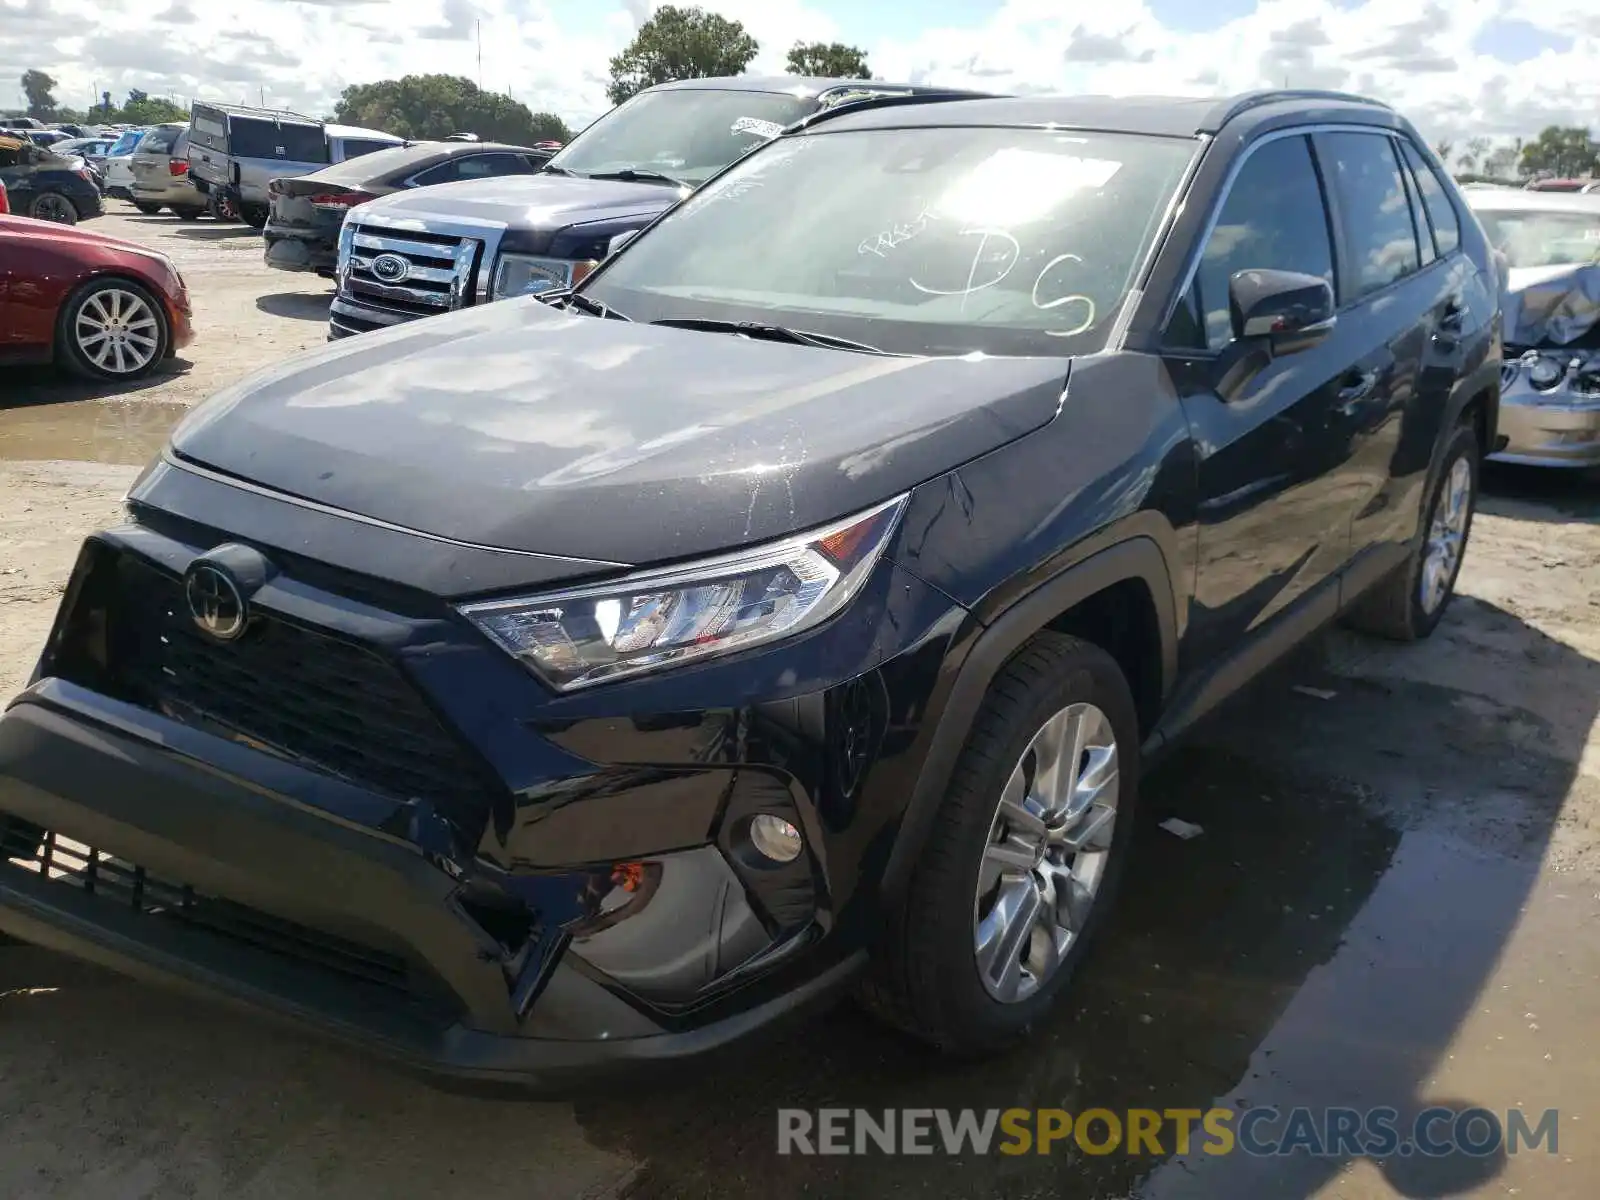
(189, 214)
(255, 216)
(222, 208)
(1024, 857)
(113, 329)
(53, 206)
(1408, 605)
(148, 210)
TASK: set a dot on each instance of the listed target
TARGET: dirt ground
(1393, 902)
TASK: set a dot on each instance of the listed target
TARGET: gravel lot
(1393, 903)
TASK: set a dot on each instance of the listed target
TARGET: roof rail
(887, 100)
(1235, 106)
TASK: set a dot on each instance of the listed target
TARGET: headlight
(1544, 370)
(526, 275)
(661, 618)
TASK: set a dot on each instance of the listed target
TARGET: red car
(99, 306)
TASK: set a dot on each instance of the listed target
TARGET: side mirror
(621, 240)
(1289, 310)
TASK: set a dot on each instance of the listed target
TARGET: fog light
(775, 838)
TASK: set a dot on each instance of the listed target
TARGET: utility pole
(480, 55)
(263, 95)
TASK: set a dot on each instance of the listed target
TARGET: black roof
(1169, 116)
(799, 85)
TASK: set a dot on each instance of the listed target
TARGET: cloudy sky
(1496, 67)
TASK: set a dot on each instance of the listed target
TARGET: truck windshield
(915, 241)
(685, 133)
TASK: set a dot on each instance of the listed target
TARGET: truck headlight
(528, 275)
(662, 618)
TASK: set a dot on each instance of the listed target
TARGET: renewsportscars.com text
(1320, 1132)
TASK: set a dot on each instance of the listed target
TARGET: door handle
(1355, 385)
(1453, 317)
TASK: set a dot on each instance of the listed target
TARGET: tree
(435, 106)
(1501, 163)
(832, 61)
(680, 43)
(148, 111)
(1562, 151)
(38, 86)
(1442, 148)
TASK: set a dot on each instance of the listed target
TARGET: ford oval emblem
(390, 268)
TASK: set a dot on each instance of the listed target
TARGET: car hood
(520, 427)
(1551, 306)
(50, 231)
(532, 202)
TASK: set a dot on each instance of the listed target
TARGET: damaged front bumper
(371, 822)
(1550, 409)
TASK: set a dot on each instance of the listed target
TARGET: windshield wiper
(547, 169)
(631, 175)
(774, 333)
(582, 303)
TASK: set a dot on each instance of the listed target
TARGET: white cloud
(300, 53)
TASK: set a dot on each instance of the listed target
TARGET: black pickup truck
(419, 253)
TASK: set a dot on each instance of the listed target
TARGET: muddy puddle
(127, 432)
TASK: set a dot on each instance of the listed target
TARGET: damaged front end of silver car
(1550, 380)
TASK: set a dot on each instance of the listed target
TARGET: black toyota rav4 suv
(587, 680)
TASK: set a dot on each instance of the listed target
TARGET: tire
(53, 206)
(927, 978)
(135, 335)
(222, 208)
(255, 216)
(148, 210)
(189, 214)
(1403, 608)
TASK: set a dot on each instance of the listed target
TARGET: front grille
(116, 881)
(439, 270)
(296, 692)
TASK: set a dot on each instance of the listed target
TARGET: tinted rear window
(251, 138)
(356, 147)
(395, 163)
(160, 141)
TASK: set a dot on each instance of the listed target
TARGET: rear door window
(1441, 212)
(1273, 218)
(1374, 210)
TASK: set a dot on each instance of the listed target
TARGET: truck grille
(303, 695)
(438, 274)
(64, 861)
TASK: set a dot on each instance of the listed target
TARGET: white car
(119, 165)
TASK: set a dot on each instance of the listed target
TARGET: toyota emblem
(215, 602)
(390, 268)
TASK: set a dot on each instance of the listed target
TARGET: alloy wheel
(53, 207)
(1447, 536)
(1049, 844)
(117, 330)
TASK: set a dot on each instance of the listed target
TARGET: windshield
(915, 241)
(1531, 238)
(687, 133)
